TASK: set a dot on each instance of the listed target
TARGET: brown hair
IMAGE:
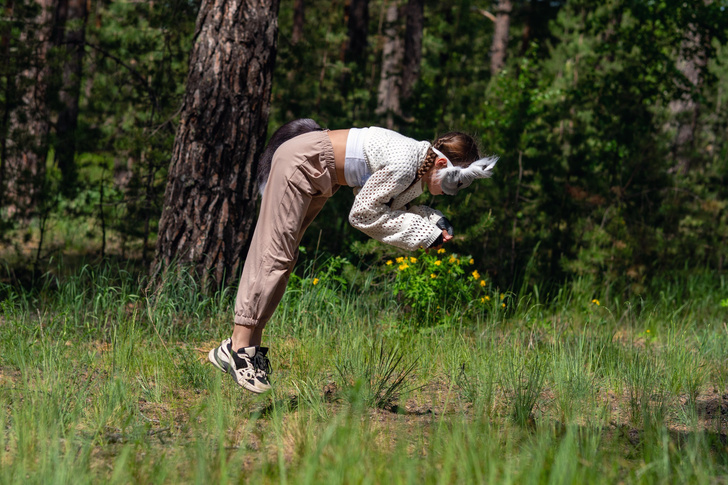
(461, 149)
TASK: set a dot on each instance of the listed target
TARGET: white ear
(482, 168)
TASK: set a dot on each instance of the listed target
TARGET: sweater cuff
(436, 232)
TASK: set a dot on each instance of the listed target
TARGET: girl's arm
(432, 215)
(372, 214)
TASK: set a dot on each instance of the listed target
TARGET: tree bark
(358, 32)
(390, 82)
(354, 50)
(7, 78)
(685, 111)
(210, 200)
(415, 12)
(299, 20)
(499, 46)
(26, 116)
(69, 35)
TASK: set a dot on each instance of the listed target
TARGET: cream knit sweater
(380, 207)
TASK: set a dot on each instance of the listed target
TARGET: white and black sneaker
(249, 366)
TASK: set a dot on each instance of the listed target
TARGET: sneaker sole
(225, 367)
(212, 357)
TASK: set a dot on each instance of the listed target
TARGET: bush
(436, 287)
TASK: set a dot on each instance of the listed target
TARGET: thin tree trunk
(26, 137)
(390, 81)
(299, 20)
(415, 11)
(69, 35)
(210, 200)
(7, 78)
(358, 32)
(500, 36)
(685, 111)
(357, 13)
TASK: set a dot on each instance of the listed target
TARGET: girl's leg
(302, 177)
(246, 336)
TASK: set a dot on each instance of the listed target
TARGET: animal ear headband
(453, 178)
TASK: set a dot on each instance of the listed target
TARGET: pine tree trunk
(500, 36)
(299, 20)
(26, 116)
(412, 46)
(358, 31)
(354, 51)
(390, 82)
(7, 82)
(685, 111)
(69, 35)
(210, 200)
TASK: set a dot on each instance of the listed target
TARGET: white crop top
(356, 170)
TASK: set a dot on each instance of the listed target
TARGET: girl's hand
(445, 224)
(446, 237)
(447, 229)
(442, 239)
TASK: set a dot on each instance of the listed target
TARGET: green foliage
(587, 168)
(525, 377)
(138, 55)
(134, 68)
(437, 287)
(325, 283)
(592, 183)
(375, 374)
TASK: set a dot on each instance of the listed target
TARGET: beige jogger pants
(302, 178)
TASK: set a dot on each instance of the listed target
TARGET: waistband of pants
(327, 154)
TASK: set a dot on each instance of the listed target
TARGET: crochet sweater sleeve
(432, 215)
(378, 208)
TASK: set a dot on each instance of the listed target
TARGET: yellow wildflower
(595, 301)
(476, 275)
(503, 295)
(471, 261)
(315, 281)
(413, 259)
(403, 266)
(503, 305)
(433, 275)
(438, 262)
(399, 260)
(482, 300)
(389, 263)
(482, 282)
(487, 298)
(440, 251)
(648, 330)
(451, 260)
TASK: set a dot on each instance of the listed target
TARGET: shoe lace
(261, 362)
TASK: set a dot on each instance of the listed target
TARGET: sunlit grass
(101, 379)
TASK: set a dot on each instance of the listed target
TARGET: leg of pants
(302, 178)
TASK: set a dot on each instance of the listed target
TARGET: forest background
(583, 340)
(609, 118)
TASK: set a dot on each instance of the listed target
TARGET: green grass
(101, 380)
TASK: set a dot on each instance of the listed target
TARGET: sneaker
(248, 366)
(262, 367)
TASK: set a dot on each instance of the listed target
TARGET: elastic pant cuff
(246, 321)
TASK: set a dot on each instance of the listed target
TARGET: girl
(302, 166)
